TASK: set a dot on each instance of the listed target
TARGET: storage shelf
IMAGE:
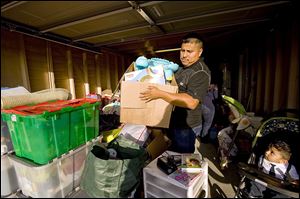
(157, 184)
(149, 183)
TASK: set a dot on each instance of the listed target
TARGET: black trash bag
(113, 178)
(108, 122)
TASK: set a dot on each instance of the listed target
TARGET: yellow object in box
(110, 135)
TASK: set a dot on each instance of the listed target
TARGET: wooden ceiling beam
(11, 5)
(98, 16)
(135, 39)
(180, 19)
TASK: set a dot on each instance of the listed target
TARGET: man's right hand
(151, 93)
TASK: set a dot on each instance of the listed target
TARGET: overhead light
(167, 50)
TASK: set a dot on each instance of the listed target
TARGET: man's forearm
(180, 99)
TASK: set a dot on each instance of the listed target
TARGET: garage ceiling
(135, 27)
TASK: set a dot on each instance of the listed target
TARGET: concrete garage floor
(222, 183)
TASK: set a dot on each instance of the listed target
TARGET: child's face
(273, 155)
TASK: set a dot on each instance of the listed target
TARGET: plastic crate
(54, 180)
(158, 185)
(9, 181)
(48, 130)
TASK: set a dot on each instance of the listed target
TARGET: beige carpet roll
(8, 102)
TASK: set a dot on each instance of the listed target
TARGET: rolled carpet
(9, 101)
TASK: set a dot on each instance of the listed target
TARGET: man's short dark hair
(191, 35)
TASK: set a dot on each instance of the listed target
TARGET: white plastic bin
(54, 180)
(158, 185)
(6, 143)
(9, 181)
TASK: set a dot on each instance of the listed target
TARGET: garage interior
(251, 47)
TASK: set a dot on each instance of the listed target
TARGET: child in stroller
(283, 134)
(274, 162)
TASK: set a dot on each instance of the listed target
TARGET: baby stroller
(235, 140)
(288, 126)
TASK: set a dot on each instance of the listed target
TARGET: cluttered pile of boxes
(142, 121)
(49, 141)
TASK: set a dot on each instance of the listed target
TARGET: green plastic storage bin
(43, 137)
(85, 124)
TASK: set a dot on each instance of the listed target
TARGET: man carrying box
(193, 80)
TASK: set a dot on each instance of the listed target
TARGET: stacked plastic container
(50, 139)
(9, 181)
(57, 179)
(159, 185)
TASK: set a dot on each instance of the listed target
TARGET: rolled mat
(8, 102)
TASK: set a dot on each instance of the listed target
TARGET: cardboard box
(156, 113)
(159, 143)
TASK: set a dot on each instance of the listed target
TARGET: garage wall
(269, 69)
(60, 66)
(264, 66)
(38, 64)
(13, 62)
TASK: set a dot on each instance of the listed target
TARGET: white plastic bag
(136, 133)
